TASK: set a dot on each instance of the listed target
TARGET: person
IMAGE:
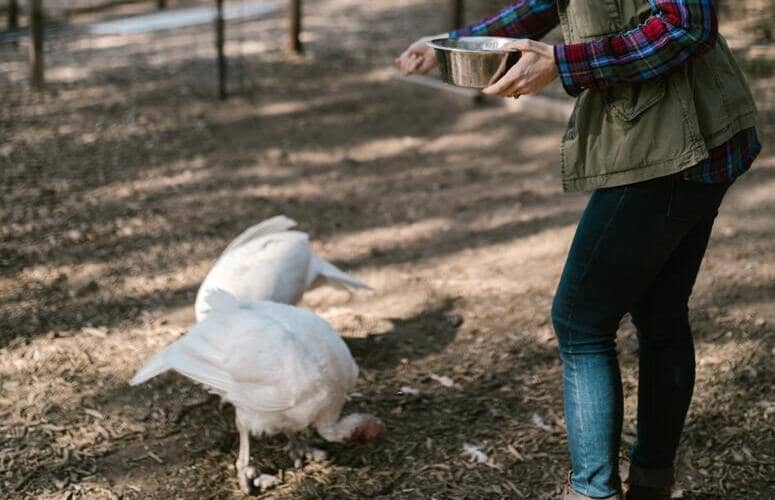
(664, 123)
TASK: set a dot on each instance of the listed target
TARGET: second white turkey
(270, 261)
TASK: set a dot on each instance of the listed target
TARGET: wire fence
(77, 54)
(74, 56)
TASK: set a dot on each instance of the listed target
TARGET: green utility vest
(634, 132)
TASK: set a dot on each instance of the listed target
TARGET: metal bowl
(474, 61)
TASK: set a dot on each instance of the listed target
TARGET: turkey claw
(265, 481)
(247, 476)
(306, 454)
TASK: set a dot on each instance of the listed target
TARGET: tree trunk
(295, 26)
(220, 41)
(13, 14)
(458, 14)
(36, 47)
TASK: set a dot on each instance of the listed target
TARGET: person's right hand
(418, 58)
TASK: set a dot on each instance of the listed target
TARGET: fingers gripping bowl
(477, 61)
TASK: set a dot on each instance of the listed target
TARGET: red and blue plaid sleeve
(523, 19)
(676, 31)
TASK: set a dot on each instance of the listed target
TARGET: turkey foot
(246, 476)
(265, 481)
(301, 452)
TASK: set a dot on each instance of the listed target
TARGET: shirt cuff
(455, 34)
(572, 64)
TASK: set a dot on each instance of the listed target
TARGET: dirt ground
(124, 181)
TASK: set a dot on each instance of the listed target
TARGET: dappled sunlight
(108, 42)
(375, 9)
(343, 245)
(383, 239)
(68, 74)
(281, 108)
(247, 48)
(384, 148)
(517, 267)
(45, 274)
(15, 72)
(755, 197)
(309, 190)
(182, 278)
(450, 143)
(156, 179)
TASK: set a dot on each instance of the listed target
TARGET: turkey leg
(300, 451)
(245, 473)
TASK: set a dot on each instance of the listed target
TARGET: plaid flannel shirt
(676, 31)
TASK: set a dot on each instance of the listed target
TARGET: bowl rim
(434, 45)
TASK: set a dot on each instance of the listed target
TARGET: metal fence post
(220, 41)
(458, 13)
(36, 47)
(13, 14)
(295, 26)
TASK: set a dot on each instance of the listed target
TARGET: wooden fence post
(36, 47)
(458, 14)
(295, 26)
(220, 41)
(13, 14)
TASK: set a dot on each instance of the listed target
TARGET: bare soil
(124, 181)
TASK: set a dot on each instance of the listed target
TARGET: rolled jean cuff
(651, 478)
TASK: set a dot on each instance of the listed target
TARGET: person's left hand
(535, 70)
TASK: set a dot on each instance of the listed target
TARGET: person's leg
(666, 349)
(623, 240)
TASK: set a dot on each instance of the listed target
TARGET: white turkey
(283, 368)
(269, 261)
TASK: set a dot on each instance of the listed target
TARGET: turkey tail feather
(174, 357)
(274, 225)
(155, 366)
(328, 271)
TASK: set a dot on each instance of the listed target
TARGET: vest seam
(691, 152)
(733, 123)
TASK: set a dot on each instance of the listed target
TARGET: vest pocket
(627, 102)
(593, 18)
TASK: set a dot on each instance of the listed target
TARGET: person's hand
(418, 58)
(535, 70)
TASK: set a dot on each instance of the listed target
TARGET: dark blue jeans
(637, 249)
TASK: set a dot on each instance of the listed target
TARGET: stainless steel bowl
(476, 61)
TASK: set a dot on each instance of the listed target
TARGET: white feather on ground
(475, 454)
(283, 368)
(269, 261)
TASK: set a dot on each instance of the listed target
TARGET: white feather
(270, 262)
(321, 270)
(282, 367)
(274, 225)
